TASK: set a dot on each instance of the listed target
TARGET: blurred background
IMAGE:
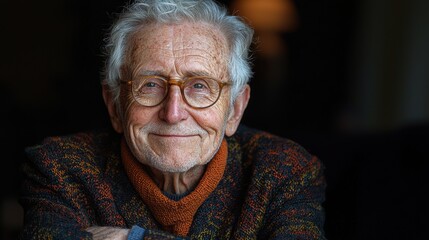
(348, 80)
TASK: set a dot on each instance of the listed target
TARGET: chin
(172, 162)
(174, 168)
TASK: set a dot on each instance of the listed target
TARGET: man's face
(172, 136)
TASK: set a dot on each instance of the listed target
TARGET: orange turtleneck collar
(175, 216)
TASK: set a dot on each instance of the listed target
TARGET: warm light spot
(267, 15)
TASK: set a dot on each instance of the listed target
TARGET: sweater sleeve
(65, 191)
(296, 210)
(49, 212)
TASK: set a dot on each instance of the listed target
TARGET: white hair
(238, 34)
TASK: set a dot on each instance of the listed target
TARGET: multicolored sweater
(271, 189)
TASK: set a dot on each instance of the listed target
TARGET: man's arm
(51, 211)
(296, 210)
(49, 215)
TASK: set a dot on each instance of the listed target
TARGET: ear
(115, 119)
(237, 111)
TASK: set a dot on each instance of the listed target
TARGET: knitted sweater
(271, 189)
(176, 214)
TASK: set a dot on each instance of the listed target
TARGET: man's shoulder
(264, 150)
(88, 146)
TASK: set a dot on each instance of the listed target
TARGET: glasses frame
(180, 83)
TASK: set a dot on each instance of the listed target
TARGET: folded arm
(296, 210)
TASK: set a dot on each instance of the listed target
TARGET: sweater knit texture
(272, 188)
(174, 216)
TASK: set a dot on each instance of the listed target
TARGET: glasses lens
(201, 92)
(149, 91)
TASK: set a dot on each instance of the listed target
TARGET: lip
(174, 135)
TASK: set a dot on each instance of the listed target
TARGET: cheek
(223, 107)
(131, 112)
(126, 101)
(216, 117)
(135, 115)
(139, 116)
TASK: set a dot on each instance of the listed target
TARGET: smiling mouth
(174, 135)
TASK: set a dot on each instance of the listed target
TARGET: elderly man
(178, 164)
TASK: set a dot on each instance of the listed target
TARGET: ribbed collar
(175, 216)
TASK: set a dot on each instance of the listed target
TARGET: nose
(174, 108)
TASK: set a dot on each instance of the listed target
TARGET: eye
(151, 85)
(198, 84)
(201, 88)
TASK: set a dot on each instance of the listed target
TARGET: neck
(178, 183)
(175, 216)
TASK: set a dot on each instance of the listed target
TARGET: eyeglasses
(197, 91)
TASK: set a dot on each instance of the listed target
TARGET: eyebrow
(197, 73)
(160, 73)
(149, 73)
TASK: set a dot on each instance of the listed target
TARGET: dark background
(350, 84)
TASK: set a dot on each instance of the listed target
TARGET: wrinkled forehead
(185, 40)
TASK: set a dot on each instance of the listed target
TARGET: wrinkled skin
(173, 139)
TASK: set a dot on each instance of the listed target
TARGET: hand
(108, 233)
